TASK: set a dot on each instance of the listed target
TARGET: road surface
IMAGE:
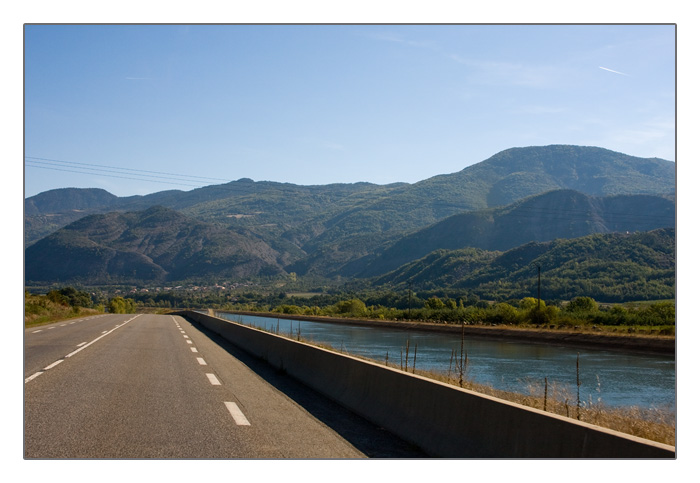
(158, 386)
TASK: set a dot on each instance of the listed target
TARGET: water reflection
(617, 379)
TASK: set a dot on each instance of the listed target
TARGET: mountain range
(610, 267)
(552, 215)
(259, 229)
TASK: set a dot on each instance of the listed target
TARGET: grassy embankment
(40, 310)
(581, 333)
(67, 303)
(580, 315)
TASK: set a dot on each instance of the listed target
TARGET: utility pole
(539, 285)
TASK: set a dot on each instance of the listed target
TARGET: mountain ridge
(338, 230)
(556, 214)
(610, 267)
(153, 245)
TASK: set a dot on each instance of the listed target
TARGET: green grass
(39, 310)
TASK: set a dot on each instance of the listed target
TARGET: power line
(120, 177)
(521, 211)
(37, 162)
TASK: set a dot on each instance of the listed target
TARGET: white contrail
(613, 71)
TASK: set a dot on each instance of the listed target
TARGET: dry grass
(654, 424)
(53, 313)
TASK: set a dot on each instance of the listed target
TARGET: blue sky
(136, 109)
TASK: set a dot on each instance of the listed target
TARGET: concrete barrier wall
(443, 420)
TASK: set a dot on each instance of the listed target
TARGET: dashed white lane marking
(182, 331)
(186, 336)
(201, 361)
(51, 366)
(193, 349)
(98, 338)
(189, 341)
(237, 414)
(214, 381)
(36, 331)
(51, 328)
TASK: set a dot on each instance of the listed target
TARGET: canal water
(610, 377)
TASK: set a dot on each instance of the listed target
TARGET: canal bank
(444, 420)
(587, 340)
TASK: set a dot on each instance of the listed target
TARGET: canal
(610, 377)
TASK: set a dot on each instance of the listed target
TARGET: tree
(663, 313)
(117, 305)
(434, 303)
(545, 315)
(120, 305)
(529, 303)
(582, 304)
(57, 297)
(70, 296)
(506, 313)
(354, 307)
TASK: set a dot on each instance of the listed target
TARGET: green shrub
(434, 303)
(582, 304)
(353, 307)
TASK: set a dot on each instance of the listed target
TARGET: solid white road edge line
(237, 414)
(81, 346)
(36, 374)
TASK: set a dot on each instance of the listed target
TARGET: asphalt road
(157, 386)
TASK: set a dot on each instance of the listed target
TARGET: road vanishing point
(157, 386)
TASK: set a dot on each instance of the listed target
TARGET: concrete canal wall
(443, 420)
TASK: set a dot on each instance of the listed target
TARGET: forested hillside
(557, 214)
(154, 245)
(253, 230)
(608, 267)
